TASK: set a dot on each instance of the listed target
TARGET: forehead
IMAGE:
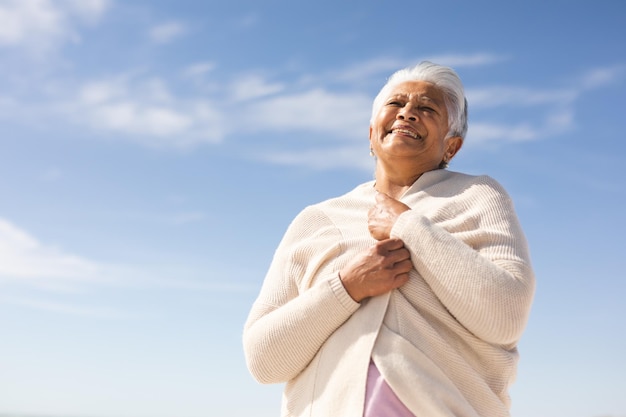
(419, 90)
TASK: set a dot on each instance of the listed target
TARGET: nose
(406, 113)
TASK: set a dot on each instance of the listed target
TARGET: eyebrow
(430, 100)
(420, 97)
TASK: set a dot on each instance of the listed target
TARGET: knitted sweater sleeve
(302, 301)
(474, 256)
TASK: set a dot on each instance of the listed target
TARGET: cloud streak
(40, 25)
(324, 158)
(145, 111)
(24, 258)
(602, 76)
(497, 96)
(338, 114)
(167, 32)
(27, 263)
(71, 308)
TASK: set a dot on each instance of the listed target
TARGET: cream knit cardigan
(445, 341)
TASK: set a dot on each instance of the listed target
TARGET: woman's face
(411, 125)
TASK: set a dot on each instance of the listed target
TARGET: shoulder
(480, 197)
(361, 194)
(460, 183)
(312, 217)
(469, 179)
(459, 194)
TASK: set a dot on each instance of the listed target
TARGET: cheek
(377, 133)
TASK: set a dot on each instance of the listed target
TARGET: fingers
(378, 270)
(388, 245)
(400, 279)
(403, 266)
(380, 197)
(383, 214)
(394, 254)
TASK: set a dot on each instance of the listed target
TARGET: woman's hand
(383, 216)
(378, 270)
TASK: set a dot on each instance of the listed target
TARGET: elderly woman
(408, 295)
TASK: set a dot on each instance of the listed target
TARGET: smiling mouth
(406, 132)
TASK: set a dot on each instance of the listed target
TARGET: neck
(394, 184)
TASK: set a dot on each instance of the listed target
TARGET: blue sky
(152, 154)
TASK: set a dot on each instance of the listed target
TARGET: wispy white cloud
(23, 256)
(20, 20)
(177, 218)
(375, 67)
(199, 69)
(497, 96)
(557, 115)
(252, 87)
(480, 133)
(382, 67)
(27, 262)
(24, 259)
(88, 9)
(66, 307)
(43, 24)
(145, 111)
(167, 32)
(556, 122)
(343, 115)
(345, 157)
(247, 21)
(555, 118)
(39, 275)
(601, 77)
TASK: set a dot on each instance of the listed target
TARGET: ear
(453, 145)
(370, 133)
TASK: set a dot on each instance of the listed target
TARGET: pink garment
(380, 400)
